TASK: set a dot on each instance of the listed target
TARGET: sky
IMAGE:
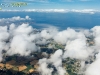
(53, 4)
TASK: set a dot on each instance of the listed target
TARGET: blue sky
(55, 4)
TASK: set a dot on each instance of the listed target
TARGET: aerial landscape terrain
(49, 37)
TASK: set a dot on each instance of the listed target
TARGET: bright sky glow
(54, 4)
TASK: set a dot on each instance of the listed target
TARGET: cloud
(76, 49)
(65, 35)
(20, 41)
(93, 69)
(23, 29)
(47, 10)
(20, 45)
(49, 33)
(16, 18)
(96, 34)
(23, 39)
(88, 11)
(4, 36)
(43, 69)
(17, 40)
(55, 60)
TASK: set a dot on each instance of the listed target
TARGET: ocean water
(61, 20)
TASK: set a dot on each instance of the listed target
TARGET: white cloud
(22, 40)
(56, 60)
(89, 11)
(47, 10)
(96, 34)
(20, 45)
(49, 32)
(4, 36)
(43, 69)
(76, 49)
(93, 69)
(15, 18)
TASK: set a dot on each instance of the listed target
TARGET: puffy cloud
(43, 69)
(22, 39)
(2, 45)
(23, 29)
(93, 69)
(65, 35)
(49, 33)
(61, 71)
(56, 60)
(4, 36)
(15, 18)
(75, 41)
(20, 45)
(76, 49)
(96, 35)
(96, 31)
(17, 40)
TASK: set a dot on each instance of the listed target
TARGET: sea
(61, 20)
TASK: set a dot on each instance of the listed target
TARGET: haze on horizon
(55, 4)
